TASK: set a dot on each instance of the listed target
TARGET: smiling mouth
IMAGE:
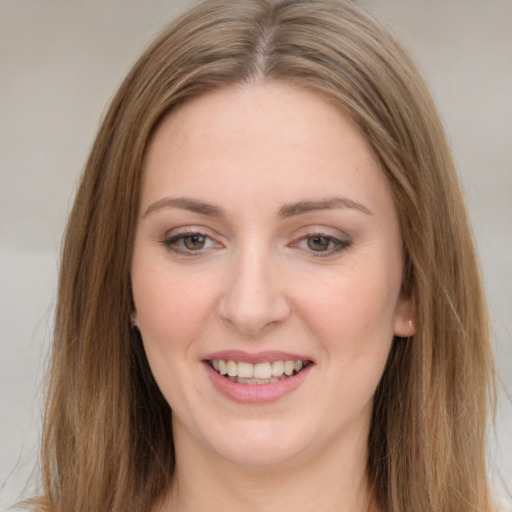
(259, 373)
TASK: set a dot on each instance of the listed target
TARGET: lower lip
(257, 393)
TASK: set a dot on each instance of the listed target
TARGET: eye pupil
(194, 242)
(318, 243)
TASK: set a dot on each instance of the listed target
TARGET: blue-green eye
(321, 245)
(189, 243)
(194, 242)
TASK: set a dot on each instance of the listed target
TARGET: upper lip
(255, 357)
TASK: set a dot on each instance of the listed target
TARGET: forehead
(226, 118)
(271, 139)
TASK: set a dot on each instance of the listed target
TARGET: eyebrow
(185, 203)
(288, 210)
(303, 207)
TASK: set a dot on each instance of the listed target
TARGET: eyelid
(342, 242)
(176, 234)
(190, 230)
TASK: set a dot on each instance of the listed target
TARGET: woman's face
(267, 244)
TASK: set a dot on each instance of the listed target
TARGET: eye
(322, 245)
(194, 242)
(319, 243)
(190, 243)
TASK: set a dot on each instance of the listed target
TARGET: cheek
(171, 311)
(352, 311)
(171, 307)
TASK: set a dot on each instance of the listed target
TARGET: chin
(261, 445)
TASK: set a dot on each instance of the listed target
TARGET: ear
(405, 321)
(134, 319)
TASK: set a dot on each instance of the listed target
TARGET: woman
(269, 241)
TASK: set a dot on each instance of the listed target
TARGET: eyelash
(171, 244)
(339, 245)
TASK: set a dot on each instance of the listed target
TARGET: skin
(258, 285)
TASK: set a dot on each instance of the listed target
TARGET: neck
(332, 481)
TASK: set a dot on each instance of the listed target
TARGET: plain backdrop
(60, 63)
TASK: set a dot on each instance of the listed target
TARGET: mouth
(261, 373)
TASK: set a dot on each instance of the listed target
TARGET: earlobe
(405, 322)
(134, 322)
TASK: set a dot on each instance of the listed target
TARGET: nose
(252, 299)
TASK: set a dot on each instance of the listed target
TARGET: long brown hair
(107, 435)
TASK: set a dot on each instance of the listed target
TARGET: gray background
(60, 63)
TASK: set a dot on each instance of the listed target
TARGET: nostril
(251, 315)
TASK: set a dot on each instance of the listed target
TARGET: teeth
(262, 371)
(253, 382)
(289, 366)
(246, 370)
(259, 373)
(232, 368)
(277, 368)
